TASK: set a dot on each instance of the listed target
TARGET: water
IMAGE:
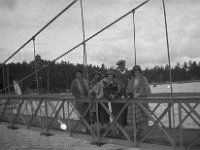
(23, 139)
(193, 87)
(190, 87)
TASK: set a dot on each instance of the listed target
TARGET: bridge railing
(49, 112)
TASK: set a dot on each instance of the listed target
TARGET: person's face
(110, 76)
(78, 75)
(122, 67)
(96, 76)
(137, 73)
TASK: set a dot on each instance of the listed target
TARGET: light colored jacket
(139, 89)
(80, 88)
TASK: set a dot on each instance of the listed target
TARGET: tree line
(57, 77)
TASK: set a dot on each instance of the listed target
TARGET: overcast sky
(21, 19)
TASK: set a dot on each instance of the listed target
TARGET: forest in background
(57, 77)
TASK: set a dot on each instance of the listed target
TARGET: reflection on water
(23, 139)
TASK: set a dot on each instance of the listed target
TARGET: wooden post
(4, 81)
(46, 113)
(98, 126)
(180, 126)
(63, 111)
(48, 79)
(170, 118)
(8, 80)
(134, 123)
(68, 117)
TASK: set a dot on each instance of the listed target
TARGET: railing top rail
(36, 97)
(177, 99)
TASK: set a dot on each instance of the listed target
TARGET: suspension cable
(168, 52)
(84, 45)
(35, 64)
(170, 72)
(134, 36)
(52, 20)
(86, 40)
(85, 68)
(94, 35)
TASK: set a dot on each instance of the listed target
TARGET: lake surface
(190, 87)
(23, 139)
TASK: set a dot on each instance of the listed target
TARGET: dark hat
(120, 62)
(96, 72)
(136, 67)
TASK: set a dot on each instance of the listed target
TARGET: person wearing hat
(80, 90)
(120, 70)
(79, 86)
(110, 85)
(121, 62)
(122, 75)
(96, 91)
(138, 86)
(96, 77)
(105, 88)
(110, 89)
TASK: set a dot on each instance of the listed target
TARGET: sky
(21, 19)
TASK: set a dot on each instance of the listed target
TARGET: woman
(80, 90)
(137, 87)
(96, 77)
(105, 88)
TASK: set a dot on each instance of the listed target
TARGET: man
(110, 85)
(121, 66)
(122, 76)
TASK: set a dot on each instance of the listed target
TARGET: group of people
(117, 83)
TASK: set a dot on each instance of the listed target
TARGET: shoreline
(176, 82)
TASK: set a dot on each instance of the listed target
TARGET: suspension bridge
(56, 111)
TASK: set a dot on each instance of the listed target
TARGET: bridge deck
(48, 112)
